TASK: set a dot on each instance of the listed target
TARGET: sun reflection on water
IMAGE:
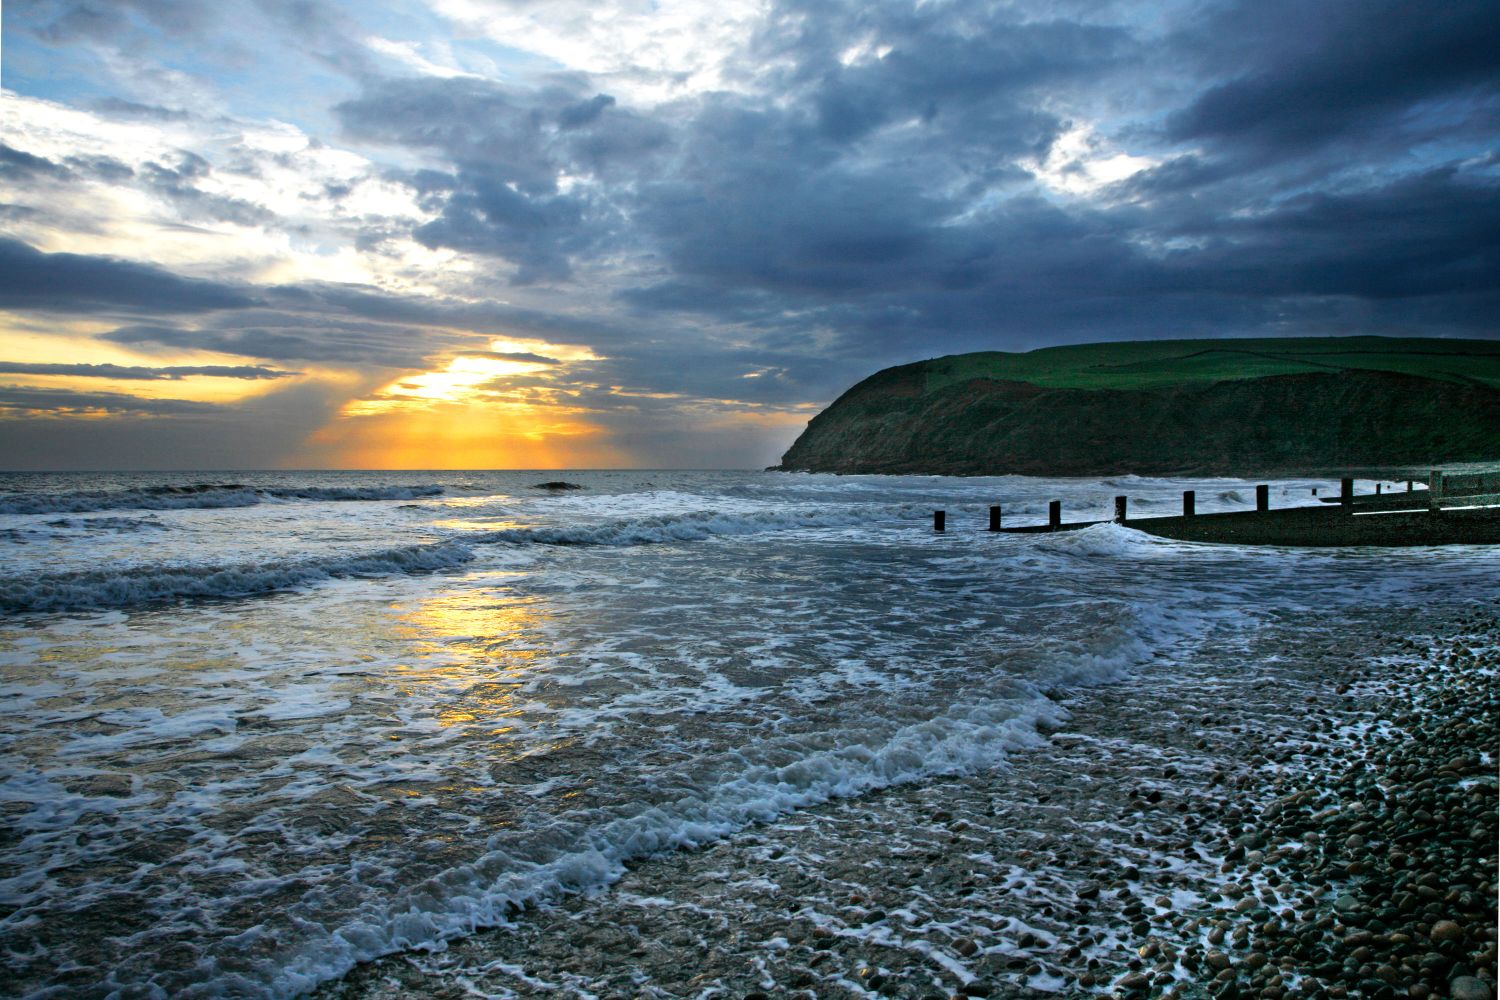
(473, 651)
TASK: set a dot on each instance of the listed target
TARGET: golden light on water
(473, 652)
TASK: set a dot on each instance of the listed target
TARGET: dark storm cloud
(575, 115)
(1431, 234)
(538, 233)
(171, 373)
(874, 183)
(176, 182)
(509, 147)
(67, 401)
(970, 69)
(825, 213)
(77, 283)
(17, 164)
(293, 337)
(1315, 74)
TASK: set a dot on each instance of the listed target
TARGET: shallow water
(259, 732)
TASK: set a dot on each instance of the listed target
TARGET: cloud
(1314, 75)
(295, 337)
(66, 401)
(115, 107)
(85, 431)
(735, 210)
(171, 373)
(511, 148)
(526, 356)
(584, 112)
(78, 283)
(176, 183)
(19, 164)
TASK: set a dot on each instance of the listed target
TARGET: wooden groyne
(1448, 510)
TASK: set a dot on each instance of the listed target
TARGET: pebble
(1446, 930)
(1470, 988)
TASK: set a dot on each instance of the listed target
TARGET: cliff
(1168, 407)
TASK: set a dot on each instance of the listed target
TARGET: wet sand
(1230, 826)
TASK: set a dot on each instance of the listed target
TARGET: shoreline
(1221, 835)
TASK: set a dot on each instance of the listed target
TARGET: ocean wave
(65, 528)
(354, 492)
(573, 856)
(688, 527)
(199, 495)
(141, 585)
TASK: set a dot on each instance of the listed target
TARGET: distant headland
(1186, 407)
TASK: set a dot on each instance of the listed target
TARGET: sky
(623, 233)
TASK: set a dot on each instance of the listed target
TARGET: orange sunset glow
(480, 410)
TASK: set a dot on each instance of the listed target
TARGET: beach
(1237, 833)
(717, 734)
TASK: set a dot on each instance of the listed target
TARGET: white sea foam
(114, 588)
(198, 496)
(694, 525)
(490, 890)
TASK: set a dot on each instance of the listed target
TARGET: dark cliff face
(1252, 426)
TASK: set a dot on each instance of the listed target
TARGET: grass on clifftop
(1147, 364)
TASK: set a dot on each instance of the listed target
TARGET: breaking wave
(131, 587)
(198, 495)
(690, 527)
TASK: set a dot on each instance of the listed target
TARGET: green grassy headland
(1150, 364)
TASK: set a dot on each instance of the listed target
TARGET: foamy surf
(501, 697)
(199, 496)
(151, 584)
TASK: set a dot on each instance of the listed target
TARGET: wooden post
(1189, 503)
(995, 518)
(1408, 486)
(939, 521)
(1054, 514)
(1263, 497)
(1379, 488)
(1120, 506)
(1315, 491)
(1434, 488)
(1346, 492)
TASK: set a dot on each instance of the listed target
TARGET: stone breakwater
(1304, 810)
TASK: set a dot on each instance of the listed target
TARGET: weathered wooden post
(1120, 505)
(1189, 503)
(939, 521)
(995, 518)
(1263, 497)
(1346, 492)
(1054, 514)
(1379, 488)
(1434, 488)
(1408, 486)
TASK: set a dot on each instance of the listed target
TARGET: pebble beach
(1320, 822)
(356, 735)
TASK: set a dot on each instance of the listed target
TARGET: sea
(259, 727)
